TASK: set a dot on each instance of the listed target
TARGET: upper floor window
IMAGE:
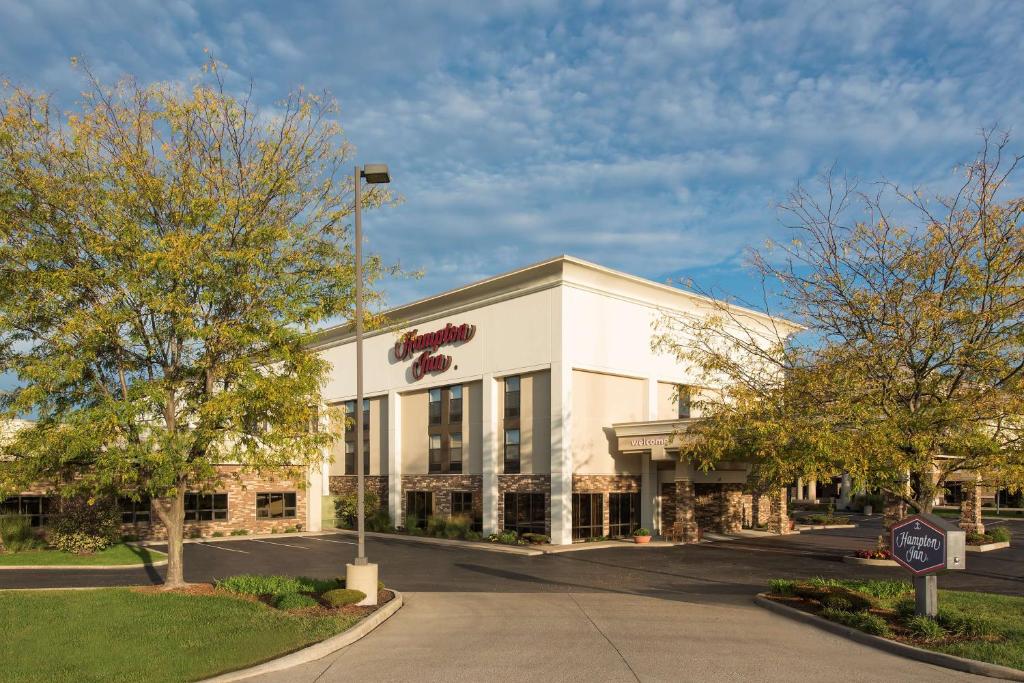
(512, 397)
(350, 437)
(455, 404)
(435, 406)
(512, 451)
(684, 401)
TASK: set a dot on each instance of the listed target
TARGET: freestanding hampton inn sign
(427, 345)
(926, 544)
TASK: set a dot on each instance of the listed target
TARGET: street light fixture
(362, 575)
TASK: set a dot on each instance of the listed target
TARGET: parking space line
(328, 540)
(230, 550)
(283, 545)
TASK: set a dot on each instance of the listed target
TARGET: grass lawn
(119, 634)
(998, 620)
(119, 553)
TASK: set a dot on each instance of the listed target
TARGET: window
(623, 513)
(524, 513)
(435, 406)
(444, 430)
(512, 397)
(455, 452)
(462, 504)
(418, 506)
(454, 404)
(435, 453)
(204, 507)
(36, 508)
(511, 451)
(275, 505)
(134, 511)
(684, 401)
(587, 516)
(350, 437)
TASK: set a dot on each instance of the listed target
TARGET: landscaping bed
(119, 554)
(126, 634)
(981, 626)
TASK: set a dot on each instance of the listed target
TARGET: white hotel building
(533, 401)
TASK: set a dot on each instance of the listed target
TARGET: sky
(656, 138)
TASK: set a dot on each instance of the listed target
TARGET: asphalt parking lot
(737, 568)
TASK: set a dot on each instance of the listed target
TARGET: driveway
(602, 637)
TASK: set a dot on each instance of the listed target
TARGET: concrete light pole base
(362, 577)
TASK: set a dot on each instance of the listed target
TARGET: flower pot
(641, 539)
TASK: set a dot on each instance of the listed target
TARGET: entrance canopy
(663, 440)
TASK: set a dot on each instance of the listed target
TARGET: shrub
(862, 621)
(195, 532)
(254, 584)
(925, 628)
(850, 600)
(474, 536)
(291, 529)
(536, 539)
(84, 525)
(458, 526)
(16, 534)
(963, 625)
(129, 538)
(411, 523)
(905, 609)
(999, 534)
(380, 521)
(340, 597)
(781, 586)
(436, 526)
(506, 537)
(240, 532)
(218, 534)
(287, 601)
(346, 508)
(642, 531)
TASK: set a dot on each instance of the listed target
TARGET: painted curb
(868, 562)
(987, 547)
(824, 527)
(971, 666)
(79, 567)
(452, 543)
(317, 650)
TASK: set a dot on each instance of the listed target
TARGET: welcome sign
(919, 545)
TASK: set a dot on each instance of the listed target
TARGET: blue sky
(652, 137)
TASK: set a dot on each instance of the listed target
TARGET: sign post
(925, 545)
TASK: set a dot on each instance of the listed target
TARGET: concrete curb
(971, 666)
(529, 551)
(317, 650)
(79, 567)
(868, 562)
(987, 547)
(824, 527)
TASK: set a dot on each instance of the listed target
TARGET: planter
(986, 547)
(641, 539)
(868, 562)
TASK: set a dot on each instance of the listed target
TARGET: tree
(163, 253)
(909, 373)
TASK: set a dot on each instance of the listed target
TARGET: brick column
(685, 527)
(970, 509)
(763, 509)
(748, 510)
(778, 514)
(730, 517)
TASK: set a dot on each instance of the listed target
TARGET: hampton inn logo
(427, 346)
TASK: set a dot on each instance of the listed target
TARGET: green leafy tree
(164, 251)
(909, 372)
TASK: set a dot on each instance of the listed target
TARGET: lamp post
(362, 575)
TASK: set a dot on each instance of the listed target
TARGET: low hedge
(288, 601)
(340, 597)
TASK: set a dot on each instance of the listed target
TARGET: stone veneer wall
(605, 484)
(668, 508)
(241, 488)
(747, 501)
(684, 524)
(442, 485)
(347, 484)
(778, 511)
(525, 483)
(718, 507)
(970, 509)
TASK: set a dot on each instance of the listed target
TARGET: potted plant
(642, 535)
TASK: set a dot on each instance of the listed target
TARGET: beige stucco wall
(599, 401)
(668, 408)
(472, 428)
(415, 444)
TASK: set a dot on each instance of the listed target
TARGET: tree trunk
(171, 511)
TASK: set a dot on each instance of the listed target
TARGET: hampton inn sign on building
(529, 401)
(533, 401)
